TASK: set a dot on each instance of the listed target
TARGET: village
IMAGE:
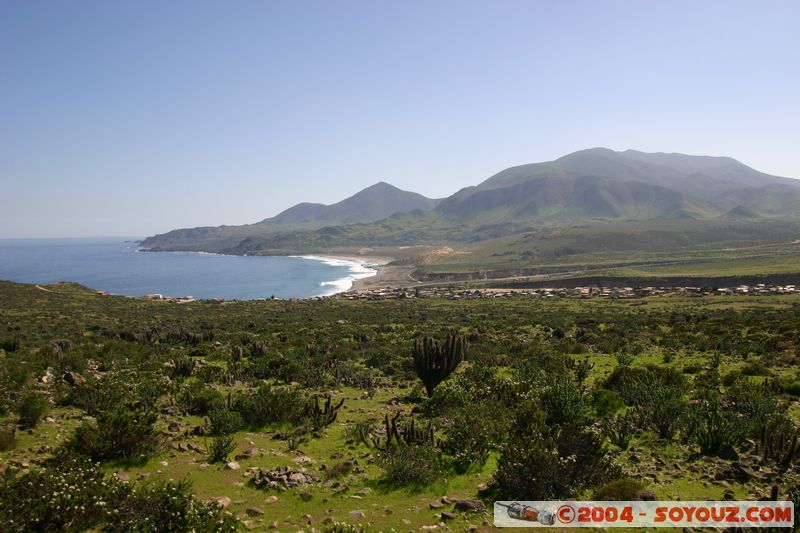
(389, 293)
(460, 293)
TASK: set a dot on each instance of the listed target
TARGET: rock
(406, 521)
(728, 495)
(357, 514)
(447, 515)
(272, 499)
(644, 496)
(273, 524)
(483, 488)
(183, 447)
(222, 501)
(306, 496)
(254, 511)
(122, 476)
(436, 505)
(328, 519)
(736, 471)
(470, 506)
(472, 527)
(364, 491)
(232, 465)
(309, 519)
(73, 378)
(728, 453)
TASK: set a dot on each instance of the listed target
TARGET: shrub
(662, 408)
(125, 435)
(221, 447)
(544, 462)
(711, 426)
(72, 494)
(606, 402)
(755, 403)
(410, 466)
(620, 490)
(224, 422)
(563, 401)
(473, 432)
(8, 438)
(32, 408)
(620, 429)
(624, 359)
(200, 399)
(269, 405)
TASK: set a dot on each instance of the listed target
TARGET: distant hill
(374, 203)
(589, 187)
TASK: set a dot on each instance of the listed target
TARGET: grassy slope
(69, 311)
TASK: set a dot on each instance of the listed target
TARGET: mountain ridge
(593, 186)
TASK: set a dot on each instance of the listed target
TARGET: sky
(132, 118)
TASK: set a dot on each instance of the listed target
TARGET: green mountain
(374, 203)
(590, 187)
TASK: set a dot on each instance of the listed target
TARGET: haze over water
(115, 266)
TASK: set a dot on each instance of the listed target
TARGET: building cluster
(399, 293)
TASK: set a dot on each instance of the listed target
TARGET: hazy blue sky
(130, 118)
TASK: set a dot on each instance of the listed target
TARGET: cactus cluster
(400, 435)
(434, 362)
(258, 348)
(183, 366)
(779, 444)
(325, 414)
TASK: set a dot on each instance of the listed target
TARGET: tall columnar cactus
(434, 362)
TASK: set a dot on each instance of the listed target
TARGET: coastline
(359, 267)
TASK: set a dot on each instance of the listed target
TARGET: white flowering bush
(73, 494)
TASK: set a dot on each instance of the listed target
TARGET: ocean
(118, 267)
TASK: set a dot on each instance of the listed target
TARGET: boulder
(470, 506)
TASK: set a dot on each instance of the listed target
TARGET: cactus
(780, 444)
(582, 370)
(433, 362)
(183, 366)
(408, 435)
(325, 415)
(258, 348)
(16, 344)
(237, 353)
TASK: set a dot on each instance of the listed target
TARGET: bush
(620, 429)
(32, 408)
(224, 422)
(606, 402)
(551, 463)
(270, 405)
(200, 399)
(221, 447)
(473, 432)
(72, 494)
(410, 466)
(711, 426)
(125, 435)
(621, 490)
(563, 401)
(755, 403)
(8, 438)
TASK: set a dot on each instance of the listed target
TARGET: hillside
(587, 188)
(369, 205)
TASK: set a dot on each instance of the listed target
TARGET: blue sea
(118, 267)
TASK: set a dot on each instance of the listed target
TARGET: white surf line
(357, 269)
